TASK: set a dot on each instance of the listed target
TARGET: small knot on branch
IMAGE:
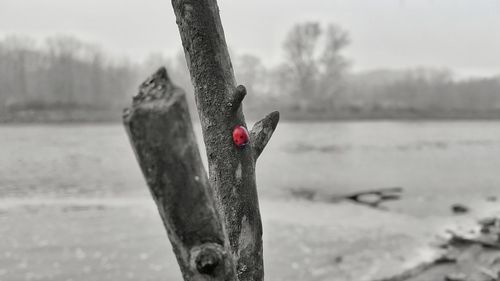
(237, 98)
(207, 260)
(210, 259)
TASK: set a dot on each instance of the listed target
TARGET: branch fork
(262, 130)
(213, 222)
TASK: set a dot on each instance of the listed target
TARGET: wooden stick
(371, 198)
(160, 130)
(380, 195)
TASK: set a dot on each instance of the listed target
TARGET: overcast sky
(463, 35)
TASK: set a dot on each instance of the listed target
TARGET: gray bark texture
(213, 223)
(161, 133)
(231, 169)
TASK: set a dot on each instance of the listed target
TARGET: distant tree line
(421, 93)
(67, 79)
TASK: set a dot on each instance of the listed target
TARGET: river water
(428, 159)
(74, 205)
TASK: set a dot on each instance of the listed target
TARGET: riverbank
(124, 240)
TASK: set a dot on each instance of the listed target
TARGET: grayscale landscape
(399, 94)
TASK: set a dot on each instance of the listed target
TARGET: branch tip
(162, 72)
(262, 131)
(155, 86)
(160, 76)
(274, 118)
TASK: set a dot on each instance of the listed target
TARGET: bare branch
(161, 133)
(262, 131)
(371, 198)
(231, 168)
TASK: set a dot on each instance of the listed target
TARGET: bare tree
(251, 72)
(314, 64)
(18, 55)
(213, 223)
(333, 64)
(300, 52)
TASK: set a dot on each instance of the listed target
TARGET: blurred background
(392, 93)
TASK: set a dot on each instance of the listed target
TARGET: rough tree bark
(231, 169)
(214, 225)
(160, 130)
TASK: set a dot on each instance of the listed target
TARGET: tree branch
(262, 131)
(237, 97)
(231, 168)
(161, 133)
(371, 198)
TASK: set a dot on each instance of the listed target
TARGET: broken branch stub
(236, 99)
(161, 133)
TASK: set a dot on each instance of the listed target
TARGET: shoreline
(302, 240)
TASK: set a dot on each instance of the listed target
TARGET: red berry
(240, 136)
